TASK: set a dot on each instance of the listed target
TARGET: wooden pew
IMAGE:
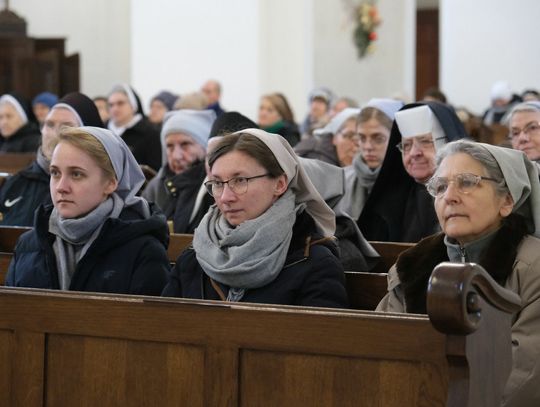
(365, 290)
(64, 348)
(12, 163)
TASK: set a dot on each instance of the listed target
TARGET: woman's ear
(110, 186)
(281, 185)
(507, 206)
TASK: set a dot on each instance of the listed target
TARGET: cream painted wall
(178, 44)
(252, 46)
(484, 41)
(389, 69)
(99, 30)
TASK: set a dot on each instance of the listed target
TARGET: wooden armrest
(456, 293)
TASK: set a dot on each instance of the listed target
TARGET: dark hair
(370, 112)
(250, 145)
(435, 93)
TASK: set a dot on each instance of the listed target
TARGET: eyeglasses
(238, 185)
(464, 183)
(378, 139)
(423, 144)
(530, 130)
(351, 135)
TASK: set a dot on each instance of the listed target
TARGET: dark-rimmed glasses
(238, 185)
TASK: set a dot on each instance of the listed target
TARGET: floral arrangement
(366, 18)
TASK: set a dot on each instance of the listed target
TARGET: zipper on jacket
(463, 254)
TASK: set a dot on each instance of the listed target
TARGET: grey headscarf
(299, 181)
(329, 180)
(128, 172)
(521, 177)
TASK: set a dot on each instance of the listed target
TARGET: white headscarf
(299, 182)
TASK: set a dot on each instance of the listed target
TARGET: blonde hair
(193, 101)
(90, 145)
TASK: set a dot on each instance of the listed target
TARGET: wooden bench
(11, 163)
(65, 348)
(365, 290)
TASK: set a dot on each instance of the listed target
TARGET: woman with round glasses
(268, 239)
(398, 208)
(487, 200)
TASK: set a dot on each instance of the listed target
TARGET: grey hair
(532, 106)
(479, 154)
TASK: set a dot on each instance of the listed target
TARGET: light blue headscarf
(128, 172)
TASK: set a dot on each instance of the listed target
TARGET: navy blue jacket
(128, 257)
(313, 280)
(22, 193)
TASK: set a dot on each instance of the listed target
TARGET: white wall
(389, 69)
(98, 30)
(178, 44)
(484, 41)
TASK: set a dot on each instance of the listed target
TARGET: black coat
(144, 142)
(22, 193)
(397, 200)
(313, 280)
(186, 186)
(25, 140)
(128, 257)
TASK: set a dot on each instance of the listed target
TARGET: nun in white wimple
(398, 208)
(487, 200)
(98, 235)
(269, 238)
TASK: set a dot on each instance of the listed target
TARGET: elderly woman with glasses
(398, 208)
(524, 129)
(268, 239)
(487, 200)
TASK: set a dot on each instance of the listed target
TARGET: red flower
(372, 36)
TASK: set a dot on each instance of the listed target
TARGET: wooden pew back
(60, 348)
(11, 163)
(365, 289)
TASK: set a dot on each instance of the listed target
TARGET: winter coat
(25, 140)
(22, 193)
(129, 256)
(513, 260)
(186, 188)
(312, 275)
(144, 142)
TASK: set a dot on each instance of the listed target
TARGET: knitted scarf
(75, 236)
(365, 178)
(251, 254)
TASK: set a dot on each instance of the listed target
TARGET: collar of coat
(414, 266)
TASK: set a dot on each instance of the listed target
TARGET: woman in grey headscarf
(97, 236)
(487, 200)
(268, 239)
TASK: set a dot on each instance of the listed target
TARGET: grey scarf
(42, 161)
(358, 191)
(250, 255)
(74, 236)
